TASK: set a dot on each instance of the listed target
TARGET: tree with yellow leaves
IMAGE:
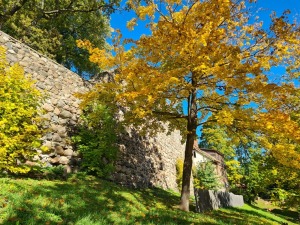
(207, 56)
(20, 133)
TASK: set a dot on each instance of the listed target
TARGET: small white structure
(214, 156)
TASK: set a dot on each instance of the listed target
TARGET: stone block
(55, 160)
(68, 152)
(48, 144)
(56, 138)
(11, 51)
(67, 170)
(63, 160)
(12, 58)
(56, 111)
(30, 163)
(63, 121)
(59, 150)
(61, 103)
(63, 134)
(48, 107)
(36, 158)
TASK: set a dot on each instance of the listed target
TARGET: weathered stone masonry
(142, 161)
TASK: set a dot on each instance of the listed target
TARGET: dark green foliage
(96, 140)
(206, 177)
(48, 173)
(52, 27)
(54, 172)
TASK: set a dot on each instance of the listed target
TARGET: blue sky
(119, 19)
(263, 7)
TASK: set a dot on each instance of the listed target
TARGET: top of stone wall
(9, 42)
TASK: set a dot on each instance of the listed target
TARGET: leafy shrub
(206, 177)
(19, 117)
(179, 172)
(53, 172)
(96, 140)
(48, 173)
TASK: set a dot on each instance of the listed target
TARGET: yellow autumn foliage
(210, 58)
(19, 117)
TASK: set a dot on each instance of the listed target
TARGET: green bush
(96, 140)
(54, 172)
(179, 172)
(206, 177)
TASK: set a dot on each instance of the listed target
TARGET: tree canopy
(209, 58)
(52, 27)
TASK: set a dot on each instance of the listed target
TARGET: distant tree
(252, 170)
(285, 189)
(210, 57)
(52, 27)
(20, 133)
(214, 136)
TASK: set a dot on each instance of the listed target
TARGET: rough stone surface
(54, 160)
(68, 152)
(143, 161)
(146, 162)
(63, 160)
(207, 200)
(59, 150)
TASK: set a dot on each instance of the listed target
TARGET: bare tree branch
(172, 115)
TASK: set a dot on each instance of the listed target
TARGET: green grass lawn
(89, 201)
(291, 215)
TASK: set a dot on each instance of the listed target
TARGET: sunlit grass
(89, 201)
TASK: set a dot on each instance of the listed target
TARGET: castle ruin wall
(143, 161)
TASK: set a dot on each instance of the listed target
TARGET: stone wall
(143, 161)
(58, 84)
(146, 162)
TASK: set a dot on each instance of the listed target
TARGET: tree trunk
(187, 171)
(188, 156)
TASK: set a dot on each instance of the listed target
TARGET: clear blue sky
(263, 7)
(119, 19)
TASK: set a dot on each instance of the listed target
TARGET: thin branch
(65, 10)
(172, 115)
(208, 108)
(207, 121)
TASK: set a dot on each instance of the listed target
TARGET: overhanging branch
(171, 115)
(66, 10)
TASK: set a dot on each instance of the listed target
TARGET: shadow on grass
(244, 216)
(287, 214)
(88, 202)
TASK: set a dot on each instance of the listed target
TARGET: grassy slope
(87, 201)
